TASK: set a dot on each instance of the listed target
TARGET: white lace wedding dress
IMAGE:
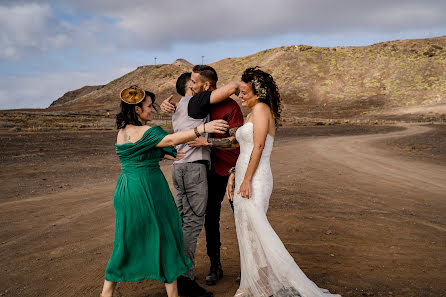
(267, 269)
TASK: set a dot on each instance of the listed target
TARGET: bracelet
(232, 170)
(196, 132)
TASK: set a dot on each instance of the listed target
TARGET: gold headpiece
(132, 95)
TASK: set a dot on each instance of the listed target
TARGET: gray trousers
(191, 185)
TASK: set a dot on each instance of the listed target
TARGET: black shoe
(190, 288)
(215, 274)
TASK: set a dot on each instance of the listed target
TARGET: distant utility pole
(155, 60)
(202, 57)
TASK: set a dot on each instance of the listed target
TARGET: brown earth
(360, 208)
(71, 95)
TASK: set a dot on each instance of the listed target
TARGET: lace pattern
(267, 269)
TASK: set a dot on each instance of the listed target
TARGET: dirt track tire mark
(359, 154)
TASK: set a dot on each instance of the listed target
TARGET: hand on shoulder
(168, 106)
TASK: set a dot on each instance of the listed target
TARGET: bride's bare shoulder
(261, 110)
(262, 115)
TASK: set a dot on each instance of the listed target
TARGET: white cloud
(155, 25)
(29, 28)
(412, 16)
(158, 24)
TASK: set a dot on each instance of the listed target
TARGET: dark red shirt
(199, 107)
(228, 110)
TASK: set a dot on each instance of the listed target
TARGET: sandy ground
(361, 210)
(439, 109)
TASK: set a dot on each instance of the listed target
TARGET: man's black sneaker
(190, 288)
(215, 273)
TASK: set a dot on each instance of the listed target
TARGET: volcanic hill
(315, 82)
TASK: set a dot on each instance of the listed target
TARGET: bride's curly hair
(265, 87)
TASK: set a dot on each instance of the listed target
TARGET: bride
(267, 269)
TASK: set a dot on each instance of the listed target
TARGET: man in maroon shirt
(222, 160)
(223, 156)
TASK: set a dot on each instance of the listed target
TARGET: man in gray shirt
(191, 182)
(189, 177)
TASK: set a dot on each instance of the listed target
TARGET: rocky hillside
(160, 79)
(71, 95)
(315, 82)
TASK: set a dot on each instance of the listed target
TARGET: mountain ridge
(326, 82)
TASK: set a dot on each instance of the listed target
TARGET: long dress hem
(154, 277)
(148, 230)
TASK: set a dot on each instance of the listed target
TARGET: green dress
(148, 232)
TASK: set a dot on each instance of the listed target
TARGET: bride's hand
(230, 187)
(245, 189)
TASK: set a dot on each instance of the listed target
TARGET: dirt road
(360, 218)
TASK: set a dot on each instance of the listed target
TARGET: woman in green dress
(148, 233)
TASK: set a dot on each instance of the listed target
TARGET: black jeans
(216, 193)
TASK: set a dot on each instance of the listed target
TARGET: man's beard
(201, 90)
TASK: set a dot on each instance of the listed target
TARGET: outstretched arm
(200, 105)
(224, 92)
(227, 143)
(217, 126)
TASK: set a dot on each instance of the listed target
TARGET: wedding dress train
(267, 269)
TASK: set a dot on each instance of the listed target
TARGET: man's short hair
(208, 73)
(182, 81)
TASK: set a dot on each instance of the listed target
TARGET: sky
(48, 48)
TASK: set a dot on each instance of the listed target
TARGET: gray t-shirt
(182, 121)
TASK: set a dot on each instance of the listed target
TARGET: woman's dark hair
(182, 81)
(263, 84)
(128, 115)
(207, 72)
